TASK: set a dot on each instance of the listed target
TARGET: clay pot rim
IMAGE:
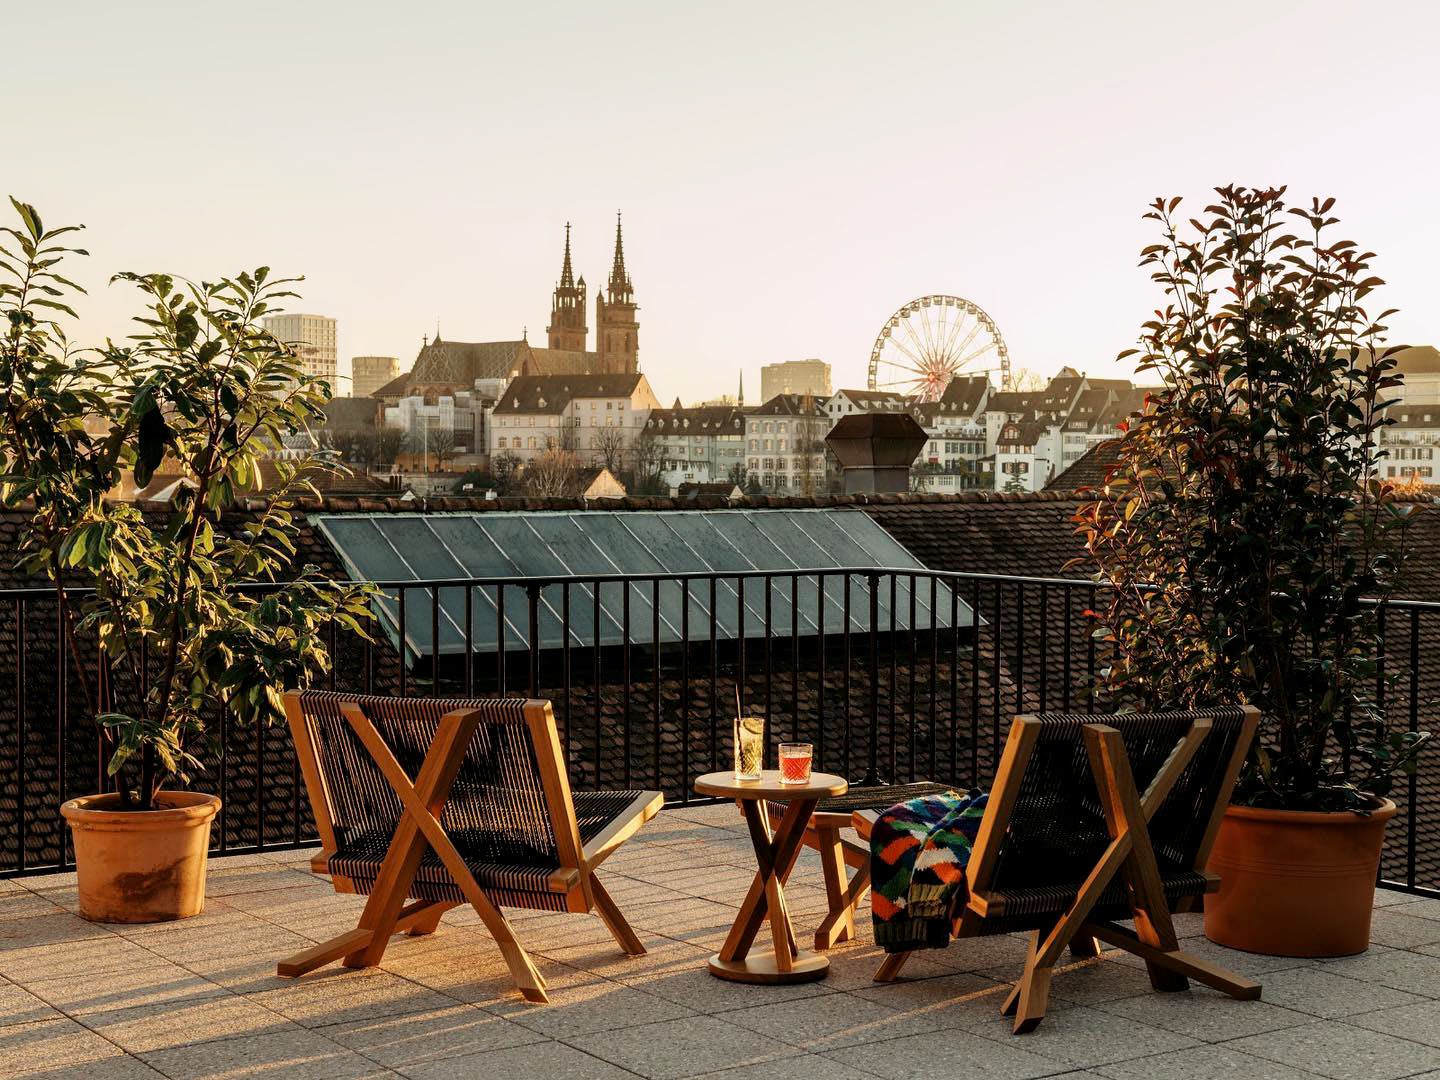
(181, 809)
(1383, 810)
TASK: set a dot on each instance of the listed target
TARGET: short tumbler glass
(795, 762)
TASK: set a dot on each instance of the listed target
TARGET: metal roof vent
(875, 451)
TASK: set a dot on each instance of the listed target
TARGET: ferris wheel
(931, 340)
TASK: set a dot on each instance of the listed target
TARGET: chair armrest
(864, 822)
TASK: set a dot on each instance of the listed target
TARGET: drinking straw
(739, 709)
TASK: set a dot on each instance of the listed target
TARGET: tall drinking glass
(749, 746)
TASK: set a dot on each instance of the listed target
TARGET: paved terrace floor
(201, 999)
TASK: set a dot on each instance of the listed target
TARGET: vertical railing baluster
(1044, 645)
(434, 593)
(1019, 672)
(998, 622)
(1069, 631)
(714, 680)
(595, 683)
(469, 641)
(655, 663)
(872, 771)
(974, 683)
(845, 678)
(22, 743)
(1412, 811)
(1090, 695)
(795, 657)
(822, 761)
(684, 690)
(532, 604)
(565, 665)
(502, 641)
(625, 672)
(934, 663)
(404, 641)
(61, 708)
(769, 583)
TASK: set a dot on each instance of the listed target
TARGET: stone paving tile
(1202, 1063)
(1206, 1014)
(1394, 927)
(1336, 1049)
(806, 1067)
(539, 1061)
(19, 1006)
(174, 1023)
(292, 1053)
(94, 955)
(1324, 993)
(830, 1022)
(1084, 1037)
(413, 1038)
(1419, 1022)
(578, 1008)
(1399, 969)
(53, 1043)
(155, 984)
(1424, 909)
(955, 1000)
(121, 1067)
(956, 1054)
(336, 995)
(684, 1047)
(21, 903)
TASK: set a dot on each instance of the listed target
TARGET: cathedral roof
(462, 362)
(558, 362)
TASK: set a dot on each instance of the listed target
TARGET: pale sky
(791, 173)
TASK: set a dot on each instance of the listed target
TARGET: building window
(502, 442)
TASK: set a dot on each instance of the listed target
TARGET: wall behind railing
(884, 694)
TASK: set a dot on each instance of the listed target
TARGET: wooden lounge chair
(444, 802)
(1070, 844)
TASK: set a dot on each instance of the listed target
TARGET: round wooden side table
(775, 854)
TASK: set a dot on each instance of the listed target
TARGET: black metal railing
(893, 675)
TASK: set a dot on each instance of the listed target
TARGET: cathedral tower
(618, 344)
(567, 327)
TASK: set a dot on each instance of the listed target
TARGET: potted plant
(1248, 536)
(168, 612)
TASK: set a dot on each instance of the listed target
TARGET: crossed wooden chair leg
(386, 911)
(1130, 858)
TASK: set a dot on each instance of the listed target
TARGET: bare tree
(387, 445)
(442, 446)
(649, 458)
(1027, 380)
(609, 447)
(504, 468)
(553, 473)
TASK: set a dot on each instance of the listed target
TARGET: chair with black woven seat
(827, 834)
(445, 802)
(1092, 821)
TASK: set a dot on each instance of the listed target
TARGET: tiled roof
(558, 362)
(700, 420)
(351, 413)
(887, 398)
(462, 362)
(789, 405)
(1090, 470)
(965, 394)
(552, 393)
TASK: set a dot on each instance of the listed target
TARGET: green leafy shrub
(197, 605)
(1245, 527)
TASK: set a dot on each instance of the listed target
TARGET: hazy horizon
(790, 174)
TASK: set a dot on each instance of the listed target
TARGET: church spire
(567, 276)
(619, 280)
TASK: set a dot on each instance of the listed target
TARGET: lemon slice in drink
(755, 725)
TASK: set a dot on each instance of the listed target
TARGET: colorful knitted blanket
(918, 853)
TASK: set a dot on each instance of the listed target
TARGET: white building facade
(598, 417)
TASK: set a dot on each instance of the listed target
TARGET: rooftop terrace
(200, 998)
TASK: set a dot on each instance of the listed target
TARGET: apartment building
(699, 445)
(795, 377)
(313, 337)
(598, 417)
(785, 444)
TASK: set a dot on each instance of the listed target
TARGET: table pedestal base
(760, 967)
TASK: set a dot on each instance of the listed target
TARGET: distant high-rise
(370, 373)
(313, 337)
(795, 377)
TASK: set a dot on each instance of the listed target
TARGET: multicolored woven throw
(918, 854)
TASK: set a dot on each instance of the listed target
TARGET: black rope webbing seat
(449, 801)
(1092, 820)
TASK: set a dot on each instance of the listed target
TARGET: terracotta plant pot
(137, 866)
(1295, 883)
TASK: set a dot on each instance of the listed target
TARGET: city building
(370, 373)
(785, 444)
(599, 417)
(704, 444)
(313, 337)
(459, 418)
(795, 377)
(446, 367)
